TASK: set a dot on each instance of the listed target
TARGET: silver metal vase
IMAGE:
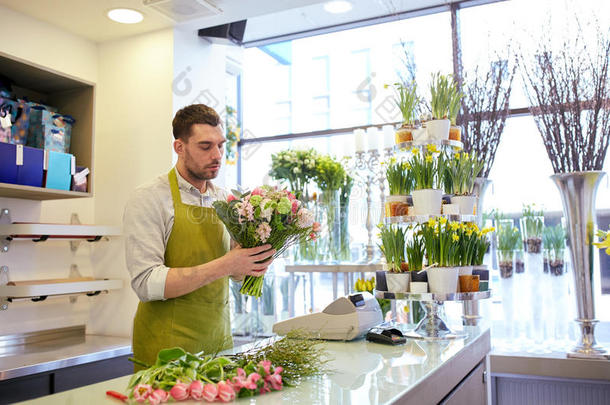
(578, 191)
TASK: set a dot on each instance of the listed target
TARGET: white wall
(44, 44)
(133, 125)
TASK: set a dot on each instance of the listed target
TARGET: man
(177, 250)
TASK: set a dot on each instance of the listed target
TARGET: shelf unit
(70, 95)
(414, 144)
(417, 219)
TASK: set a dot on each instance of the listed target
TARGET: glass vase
(307, 252)
(532, 233)
(506, 263)
(345, 254)
(330, 203)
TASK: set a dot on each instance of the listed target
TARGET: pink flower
(291, 196)
(141, 392)
(210, 391)
(275, 380)
(263, 230)
(313, 236)
(157, 396)
(180, 391)
(316, 227)
(278, 370)
(239, 381)
(257, 191)
(245, 210)
(225, 392)
(196, 390)
(231, 197)
(265, 388)
(295, 206)
(266, 365)
(251, 381)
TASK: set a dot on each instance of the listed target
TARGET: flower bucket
(438, 130)
(403, 135)
(396, 205)
(455, 133)
(443, 280)
(380, 281)
(397, 282)
(427, 201)
(469, 283)
(465, 202)
(418, 287)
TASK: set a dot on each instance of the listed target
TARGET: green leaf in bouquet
(167, 355)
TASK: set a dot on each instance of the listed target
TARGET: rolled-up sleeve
(144, 230)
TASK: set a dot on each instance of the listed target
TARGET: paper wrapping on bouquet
(49, 130)
(59, 170)
(21, 165)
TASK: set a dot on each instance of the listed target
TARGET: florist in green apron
(178, 251)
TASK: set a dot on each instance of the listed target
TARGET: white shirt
(147, 223)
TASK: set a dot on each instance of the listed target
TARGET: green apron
(200, 320)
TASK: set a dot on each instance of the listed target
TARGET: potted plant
(519, 256)
(400, 182)
(425, 168)
(481, 246)
(441, 241)
(463, 169)
(532, 223)
(443, 90)
(393, 248)
(508, 238)
(408, 102)
(556, 241)
(455, 130)
(415, 252)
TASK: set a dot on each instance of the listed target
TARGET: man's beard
(199, 175)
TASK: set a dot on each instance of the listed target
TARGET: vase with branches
(568, 85)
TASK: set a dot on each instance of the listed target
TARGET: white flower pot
(418, 287)
(451, 209)
(464, 271)
(420, 135)
(465, 202)
(443, 280)
(398, 282)
(427, 201)
(438, 130)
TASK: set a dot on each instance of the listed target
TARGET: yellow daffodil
(432, 223)
(415, 151)
(432, 148)
(429, 158)
(458, 149)
(455, 237)
(457, 156)
(442, 220)
(454, 226)
(407, 166)
(465, 155)
(462, 226)
(469, 232)
(604, 243)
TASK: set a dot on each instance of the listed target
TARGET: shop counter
(449, 372)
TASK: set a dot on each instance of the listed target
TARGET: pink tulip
(295, 206)
(225, 392)
(161, 394)
(251, 381)
(239, 381)
(141, 392)
(231, 197)
(266, 365)
(313, 236)
(278, 370)
(275, 380)
(265, 388)
(257, 191)
(210, 391)
(291, 196)
(196, 390)
(180, 391)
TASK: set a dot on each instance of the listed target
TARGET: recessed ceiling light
(338, 6)
(125, 16)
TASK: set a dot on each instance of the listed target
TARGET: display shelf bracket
(5, 219)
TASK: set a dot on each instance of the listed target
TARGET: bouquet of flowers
(266, 216)
(297, 167)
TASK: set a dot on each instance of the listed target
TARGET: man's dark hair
(190, 115)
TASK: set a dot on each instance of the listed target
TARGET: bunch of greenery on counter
(400, 177)
(393, 246)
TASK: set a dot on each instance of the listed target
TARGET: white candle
(348, 147)
(372, 136)
(360, 141)
(388, 136)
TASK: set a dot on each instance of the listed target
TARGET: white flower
(266, 209)
(305, 218)
(296, 170)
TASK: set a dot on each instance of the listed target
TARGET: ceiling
(87, 18)
(266, 18)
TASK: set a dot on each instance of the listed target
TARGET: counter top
(56, 354)
(363, 373)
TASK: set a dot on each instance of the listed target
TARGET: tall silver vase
(578, 191)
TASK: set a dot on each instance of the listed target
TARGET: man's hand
(242, 262)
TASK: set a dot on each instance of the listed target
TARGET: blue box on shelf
(59, 170)
(21, 165)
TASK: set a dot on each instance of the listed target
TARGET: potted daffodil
(393, 248)
(407, 101)
(442, 243)
(427, 172)
(444, 95)
(462, 170)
